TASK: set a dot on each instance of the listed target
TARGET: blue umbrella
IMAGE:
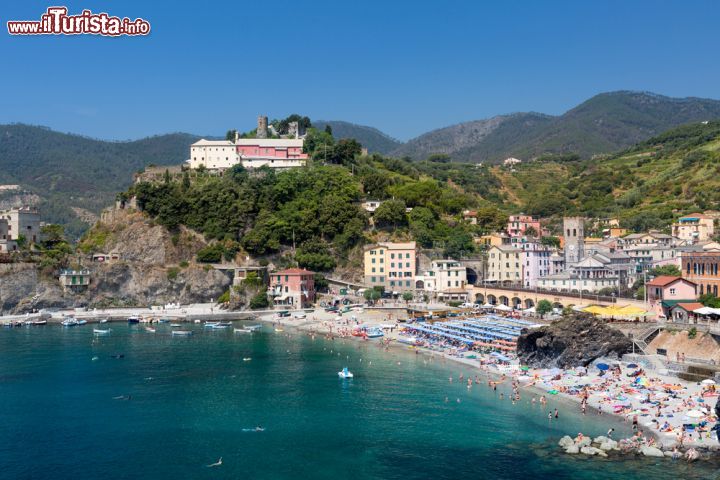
(603, 366)
(632, 365)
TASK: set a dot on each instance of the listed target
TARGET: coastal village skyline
(373, 241)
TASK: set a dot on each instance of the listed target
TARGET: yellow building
(504, 265)
(391, 265)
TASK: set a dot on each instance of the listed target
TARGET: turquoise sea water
(192, 398)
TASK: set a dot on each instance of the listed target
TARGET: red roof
(664, 280)
(294, 271)
(691, 306)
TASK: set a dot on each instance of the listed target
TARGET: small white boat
(279, 330)
(150, 329)
(133, 319)
(211, 324)
(100, 331)
(175, 325)
(69, 322)
(182, 333)
(242, 330)
(104, 320)
(345, 373)
(81, 322)
(247, 359)
(253, 327)
(220, 326)
(196, 321)
(39, 322)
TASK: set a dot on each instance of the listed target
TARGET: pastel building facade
(293, 287)
(536, 263)
(504, 266)
(23, 221)
(703, 269)
(694, 228)
(391, 265)
(249, 152)
(519, 224)
(443, 275)
(665, 291)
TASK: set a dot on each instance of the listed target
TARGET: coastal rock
(651, 451)
(573, 340)
(572, 449)
(566, 442)
(600, 439)
(608, 445)
(585, 442)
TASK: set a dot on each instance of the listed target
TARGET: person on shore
(610, 432)
(635, 423)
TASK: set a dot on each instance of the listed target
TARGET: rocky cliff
(572, 341)
(155, 267)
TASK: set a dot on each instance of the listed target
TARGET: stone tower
(574, 232)
(262, 127)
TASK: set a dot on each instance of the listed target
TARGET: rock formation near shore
(155, 267)
(569, 342)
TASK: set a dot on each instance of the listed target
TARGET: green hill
(603, 124)
(371, 138)
(646, 186)
(73, 171)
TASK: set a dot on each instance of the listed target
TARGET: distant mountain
(371, 138)
(603, 124)
(70, 171)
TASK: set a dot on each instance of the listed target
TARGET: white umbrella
(488, 305)
(503, 308)
(708, 381)
(529, 310)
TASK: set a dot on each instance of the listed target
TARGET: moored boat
(253, 327)
(81, 321)
(69, 322)
(242, 330)
(101, 331)
(150, 329)
(374, 332)
(39, 322)
(182, 333)
(133, 319)
(345, 373)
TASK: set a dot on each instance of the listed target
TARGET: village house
(493, 239)
(6, 244)
(518, 225)
(294, 287)
(74, 280)
(511, 162)
(371, 205)
(443, 277)
(694, 228)
(391, 265)
(665, 291)
(504, 266)
(22, 222)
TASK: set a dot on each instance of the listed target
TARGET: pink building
(518, 224)
(536, 263)
(665, 291)
(252, 148)
(293, 287)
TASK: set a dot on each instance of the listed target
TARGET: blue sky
(403, 67)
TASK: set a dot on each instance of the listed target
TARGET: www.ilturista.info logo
(56, 21)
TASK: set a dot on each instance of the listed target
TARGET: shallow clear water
(192, 397)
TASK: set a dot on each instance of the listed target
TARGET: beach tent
(488, 306)
(631, 311)
(529, 310)
(503, 308)
(707, 311)
(595, 310)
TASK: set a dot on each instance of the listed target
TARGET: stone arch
(529, 303)
(558, 305)
(516, 302)
(480, 298)
(503, 299)
(419, 285)
(492, 299)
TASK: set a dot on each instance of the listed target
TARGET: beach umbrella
(708, 381)
(632, 365)
(694, 414)
(603, 366)
(525, 368)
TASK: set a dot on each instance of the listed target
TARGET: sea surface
(171, 406)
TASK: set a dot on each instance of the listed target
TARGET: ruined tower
(262, 127)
